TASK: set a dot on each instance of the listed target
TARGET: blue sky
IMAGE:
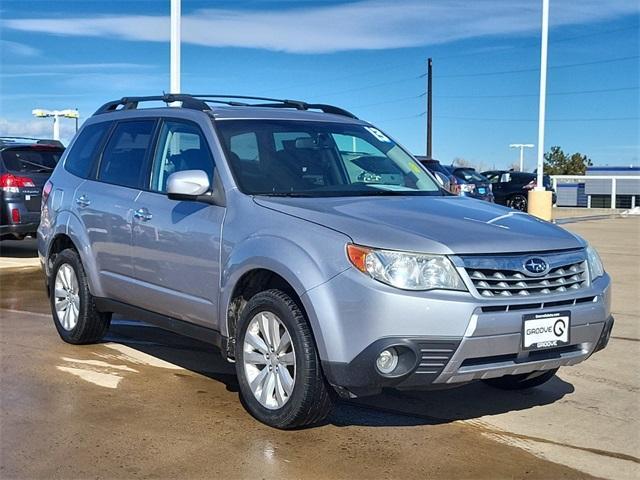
(367, 56)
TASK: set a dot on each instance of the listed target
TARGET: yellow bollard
(540, 204)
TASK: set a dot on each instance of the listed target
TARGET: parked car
(471, 184)
(512, 188)
(441, 172)
(313, 250)
(25, 165)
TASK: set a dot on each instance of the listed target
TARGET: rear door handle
(82, 201)
(142, 214)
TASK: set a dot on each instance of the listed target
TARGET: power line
(516, 95)
(489, 119)
(536, 69)
(479, 74)
(575, 92)
(495, 119)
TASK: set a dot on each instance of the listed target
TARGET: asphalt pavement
(148, 403)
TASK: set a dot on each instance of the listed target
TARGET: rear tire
(522, 381)
(281, 380)
(74, 311)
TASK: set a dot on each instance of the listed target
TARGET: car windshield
(319, 159)
(31, 159)
(470, 175)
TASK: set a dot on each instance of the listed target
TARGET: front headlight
(409, 271)
(595, 264)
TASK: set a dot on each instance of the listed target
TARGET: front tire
(74, 311)
(281, 381)
(522, 381)
(518, 202)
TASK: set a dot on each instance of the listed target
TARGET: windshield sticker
(378, 134)
(415, 168)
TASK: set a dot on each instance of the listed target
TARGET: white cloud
(39, 128)
(17, 48)
(365, 25)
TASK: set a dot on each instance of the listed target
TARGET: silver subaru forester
(312, 250)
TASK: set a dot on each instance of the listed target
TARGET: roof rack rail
(199, 102)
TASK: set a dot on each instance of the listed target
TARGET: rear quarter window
(85, 149)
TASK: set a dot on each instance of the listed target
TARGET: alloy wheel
(66, 297)
(269, 360)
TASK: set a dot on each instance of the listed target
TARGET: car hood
(444, 225)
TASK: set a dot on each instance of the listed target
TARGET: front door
(176, 244)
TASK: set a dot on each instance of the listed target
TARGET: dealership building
(599, 192)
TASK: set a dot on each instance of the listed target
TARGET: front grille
(507, 278)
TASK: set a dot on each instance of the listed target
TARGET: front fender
(303, 264)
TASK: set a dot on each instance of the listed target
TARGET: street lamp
(56, 114)
(521, 146)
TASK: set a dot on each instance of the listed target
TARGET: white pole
(522, 158)
(175, 46)
(613, 192)
(56, 127)
(543, 93)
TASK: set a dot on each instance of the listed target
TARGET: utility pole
(521, 146)
(429, 107)
(175, 46)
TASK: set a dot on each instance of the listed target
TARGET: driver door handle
(142, 214)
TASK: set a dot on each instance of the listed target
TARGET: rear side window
(31, 159)
(85, 149)
(124, 156)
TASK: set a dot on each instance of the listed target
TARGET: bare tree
(461, 162)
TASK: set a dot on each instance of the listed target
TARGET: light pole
(540, 201)
(521, 146)
(175, 47)
(57, 114)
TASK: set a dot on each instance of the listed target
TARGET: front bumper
(451, 337)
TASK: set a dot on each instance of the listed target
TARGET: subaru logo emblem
(536, 266)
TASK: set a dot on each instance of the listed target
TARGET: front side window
(181, 146)
(85, 149)
(124, 155)
(301, 158)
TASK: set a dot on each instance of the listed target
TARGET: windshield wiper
(284, 194)
(39, 165)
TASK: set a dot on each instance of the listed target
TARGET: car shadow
(390, 408)
(27, 248)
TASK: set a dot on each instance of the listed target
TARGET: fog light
(387, 361)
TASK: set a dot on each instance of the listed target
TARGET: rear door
(176, 244)
(105, 204)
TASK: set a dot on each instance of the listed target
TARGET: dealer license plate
(482, 190)
(545, 330)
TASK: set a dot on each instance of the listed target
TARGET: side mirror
(443, 180)
(188, 185)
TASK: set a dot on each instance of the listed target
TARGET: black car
(434, 166)
(512, 188)
(25, 166)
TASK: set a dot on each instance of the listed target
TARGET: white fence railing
(612, 178)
